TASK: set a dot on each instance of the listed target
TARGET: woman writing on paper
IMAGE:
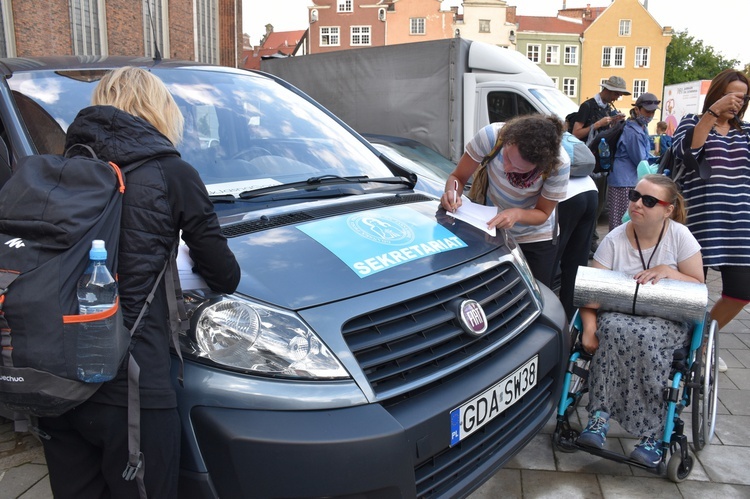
(526, 178)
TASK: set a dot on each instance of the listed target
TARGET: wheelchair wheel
(705, 392)
(679, 469)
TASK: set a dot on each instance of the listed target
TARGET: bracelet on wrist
(712, 113)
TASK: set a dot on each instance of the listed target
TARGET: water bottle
(605, 156)
(97, 292)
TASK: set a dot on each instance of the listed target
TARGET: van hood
(331, 258)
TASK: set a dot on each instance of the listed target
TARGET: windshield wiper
(315, 182)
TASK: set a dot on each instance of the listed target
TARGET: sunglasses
(648, 201)
(649, 102)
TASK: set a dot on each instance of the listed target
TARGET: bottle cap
(98, 251)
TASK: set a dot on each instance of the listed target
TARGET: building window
(641, 57)
(329, 36)
(344, 6)
(624, 27)
(484, 25)
(613, 56)
(155, 27)
(87, 19)
(7, 37)
(533, 52)
(207, 31)
(417, 26)
(570, 87)
(571, 55)
(553, 54)
(360, 35)
(639, 87)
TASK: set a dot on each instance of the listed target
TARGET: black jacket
(162, 197)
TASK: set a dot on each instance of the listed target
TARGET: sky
(710, 21)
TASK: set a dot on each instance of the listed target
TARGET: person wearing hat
(633, 147)
(595, 115)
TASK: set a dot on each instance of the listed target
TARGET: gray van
(375, 346)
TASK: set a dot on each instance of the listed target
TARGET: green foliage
(689, 59)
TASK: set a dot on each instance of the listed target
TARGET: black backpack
(676, 168)
(570, 120)
(611, 136)
(51, 208)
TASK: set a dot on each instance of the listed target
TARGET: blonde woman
(133, 117)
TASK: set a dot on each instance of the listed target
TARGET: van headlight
(523, 266)
(263, 340)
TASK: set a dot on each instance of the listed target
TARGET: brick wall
(42, 27)
(125, 27)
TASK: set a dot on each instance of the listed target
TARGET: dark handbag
(478, 190)
(676, 168)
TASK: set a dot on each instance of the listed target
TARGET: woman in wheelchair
(633, 354)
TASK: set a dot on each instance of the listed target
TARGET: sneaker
(647, 452)
(595, 433)
(722, 366)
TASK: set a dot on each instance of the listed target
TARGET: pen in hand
(455, 191)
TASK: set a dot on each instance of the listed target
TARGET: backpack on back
(611, 136)
(51, 209)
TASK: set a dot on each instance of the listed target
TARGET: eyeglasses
(648, 201)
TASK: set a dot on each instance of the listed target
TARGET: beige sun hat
(616, 84)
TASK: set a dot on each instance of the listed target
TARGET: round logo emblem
(381, 229)
(472, 317)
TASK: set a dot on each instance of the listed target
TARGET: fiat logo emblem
(472, 317)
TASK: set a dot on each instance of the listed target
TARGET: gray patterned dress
(631, 368)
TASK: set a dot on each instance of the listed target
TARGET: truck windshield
(242, 131)
(555, 101)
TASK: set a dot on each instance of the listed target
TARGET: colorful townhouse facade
(351, 24)
(621, 39)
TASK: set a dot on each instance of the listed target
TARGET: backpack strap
(86, 147)
(478, 190)
(178, 322)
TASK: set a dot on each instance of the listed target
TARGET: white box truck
(439, 93)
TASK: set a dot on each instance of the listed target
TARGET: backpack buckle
(131, 470)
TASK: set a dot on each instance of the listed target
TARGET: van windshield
(242, 131)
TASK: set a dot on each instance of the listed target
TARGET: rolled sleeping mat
(618, 292)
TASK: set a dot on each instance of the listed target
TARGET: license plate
(489, 404)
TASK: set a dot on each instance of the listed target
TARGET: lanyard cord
(643, 261)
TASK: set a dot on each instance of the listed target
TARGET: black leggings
(541, 259)
(88, 451)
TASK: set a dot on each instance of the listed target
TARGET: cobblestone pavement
(539, 471)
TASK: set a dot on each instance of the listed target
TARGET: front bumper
(239, 442)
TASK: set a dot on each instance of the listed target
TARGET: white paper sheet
(475, 214)
(188, 279)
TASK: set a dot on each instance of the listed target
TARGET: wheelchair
(693, 383)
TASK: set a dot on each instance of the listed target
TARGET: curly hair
(538, 139)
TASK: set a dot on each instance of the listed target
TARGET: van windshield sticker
(235, 188)
(382, 239)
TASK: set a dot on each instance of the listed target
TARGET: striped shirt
(502, 194)
(719, 208)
